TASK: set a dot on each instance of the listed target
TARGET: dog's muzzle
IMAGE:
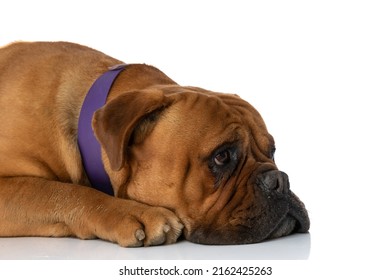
(275, 186)
(269, 209)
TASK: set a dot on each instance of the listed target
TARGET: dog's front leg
(39, 207)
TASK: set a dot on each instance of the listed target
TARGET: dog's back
(41, 84)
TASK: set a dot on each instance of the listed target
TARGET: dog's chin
(287, 226)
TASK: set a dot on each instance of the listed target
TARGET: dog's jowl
(93, 148)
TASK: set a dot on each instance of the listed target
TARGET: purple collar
(90, 149)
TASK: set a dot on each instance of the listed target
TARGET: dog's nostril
(274, 181)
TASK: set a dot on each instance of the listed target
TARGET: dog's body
(176, 156)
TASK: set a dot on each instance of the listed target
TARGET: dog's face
(206, 156)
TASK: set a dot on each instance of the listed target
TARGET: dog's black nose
(274, 181)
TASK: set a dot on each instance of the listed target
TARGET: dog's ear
(127, 118)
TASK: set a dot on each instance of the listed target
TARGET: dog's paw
(127, 222)
(127, 233)
(152, 226)
(161, 226)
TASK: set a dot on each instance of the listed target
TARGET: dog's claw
(140, 234)
(166, 228)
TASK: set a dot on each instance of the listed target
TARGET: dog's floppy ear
(115, 123)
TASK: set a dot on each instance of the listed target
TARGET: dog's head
(206, 156)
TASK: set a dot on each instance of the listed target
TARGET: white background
(318, 72)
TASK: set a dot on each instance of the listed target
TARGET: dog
(151, 162)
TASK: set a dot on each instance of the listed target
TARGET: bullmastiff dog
(173, 160)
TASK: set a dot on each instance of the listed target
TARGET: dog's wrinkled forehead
(225, 117)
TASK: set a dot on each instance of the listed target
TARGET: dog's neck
(90, 149)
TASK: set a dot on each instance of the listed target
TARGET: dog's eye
(222, 158)
(223, 161)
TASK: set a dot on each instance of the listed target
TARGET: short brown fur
(156, 139)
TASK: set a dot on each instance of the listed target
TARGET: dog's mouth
(296, 220)
(286, 227)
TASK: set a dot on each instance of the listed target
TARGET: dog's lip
(298, 211)
(295, 220)
(286, 226)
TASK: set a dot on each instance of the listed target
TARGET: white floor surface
(294, 247)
